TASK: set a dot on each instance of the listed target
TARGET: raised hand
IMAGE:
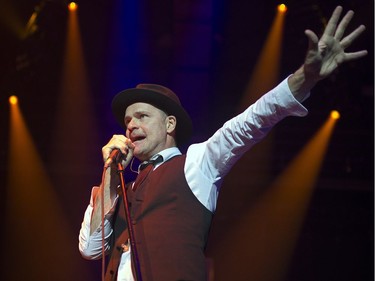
(324, 55)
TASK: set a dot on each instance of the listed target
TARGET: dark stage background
(205, 51)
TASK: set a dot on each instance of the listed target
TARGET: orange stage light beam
(75, 141)
(266, 71)
(267, 234)
(335, 114)
(75, 128)
(13, 100)
(282, 8)
(33, 214)
(72, 6)
(264, 77)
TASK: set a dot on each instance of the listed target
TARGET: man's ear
(171, 123)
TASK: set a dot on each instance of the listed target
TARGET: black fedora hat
(160, 97)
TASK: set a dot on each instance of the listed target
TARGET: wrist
(300, 83)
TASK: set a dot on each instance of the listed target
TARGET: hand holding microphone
(119, 148)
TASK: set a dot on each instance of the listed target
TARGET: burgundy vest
(170, 226)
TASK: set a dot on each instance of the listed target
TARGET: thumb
(313, 40)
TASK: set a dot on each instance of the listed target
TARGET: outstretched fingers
(330, 29)
(355, 55)
(348, 40)
(343, 24)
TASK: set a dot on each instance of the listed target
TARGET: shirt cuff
(286, 99)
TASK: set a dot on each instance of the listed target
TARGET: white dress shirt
(207, 163)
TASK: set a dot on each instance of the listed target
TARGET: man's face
(146, 127)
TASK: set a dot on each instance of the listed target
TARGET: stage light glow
(13, 100)
(40, 201)
(73, 6)
(283, 205)
(335, 114)
(266, 71)
(282, 8)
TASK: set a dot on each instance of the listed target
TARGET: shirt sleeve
(208, 162)
(90, 246)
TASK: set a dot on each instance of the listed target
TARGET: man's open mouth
(137, 138)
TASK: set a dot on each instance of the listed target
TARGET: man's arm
(107, 193)
(91, 232)
(326, 54)
(108, 190)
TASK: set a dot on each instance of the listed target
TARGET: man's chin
(138, 154)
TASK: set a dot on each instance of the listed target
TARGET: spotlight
(335, 114)
(282, 8)
(72, 6)
(13, 100)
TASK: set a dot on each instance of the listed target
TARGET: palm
(327, 53)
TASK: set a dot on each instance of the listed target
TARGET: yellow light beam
(282, 8)
(75, 141)
(72, 6)
(34, 220)
(335, 114)
(13, 100)
(266, 71)
(265, 237)
(264, 76)
(75, 130)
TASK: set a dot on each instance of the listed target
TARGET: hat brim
(127, 97)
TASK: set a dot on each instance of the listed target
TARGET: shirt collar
(167, 154)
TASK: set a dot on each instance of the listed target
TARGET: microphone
(115, 157)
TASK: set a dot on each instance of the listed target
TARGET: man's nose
(132, 124)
